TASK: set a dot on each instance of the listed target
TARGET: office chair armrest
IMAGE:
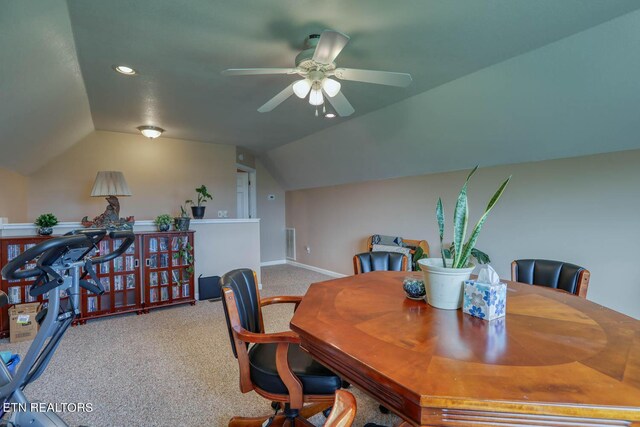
(278, 337)
(281, 300)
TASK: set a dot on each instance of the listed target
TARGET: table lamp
(111, 184)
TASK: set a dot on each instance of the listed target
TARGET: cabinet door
(17, 290)
(166, 272)
(120, 279)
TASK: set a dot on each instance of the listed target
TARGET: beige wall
(271, 214)
(582, 210)
(13, 196)
(161, 174)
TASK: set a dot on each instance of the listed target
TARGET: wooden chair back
(343, 411)
(413, 243)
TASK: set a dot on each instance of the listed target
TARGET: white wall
(577, 96)
(161, 173)
(271, 213)
(582, 210)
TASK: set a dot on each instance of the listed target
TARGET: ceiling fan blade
(377, 77)
(277, 100)
(257, 71)
(340, 104)
(329, 46)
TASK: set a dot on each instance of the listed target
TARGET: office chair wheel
(383, 409)
(345, 384)
(275, 406)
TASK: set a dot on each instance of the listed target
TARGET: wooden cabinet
(154, 272)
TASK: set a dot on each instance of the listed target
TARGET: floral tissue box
(485, 301)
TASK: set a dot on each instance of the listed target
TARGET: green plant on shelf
(203, 196)
(164, 219)
(46, 220)
(185, 253)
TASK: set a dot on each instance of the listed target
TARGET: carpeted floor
(171, 367)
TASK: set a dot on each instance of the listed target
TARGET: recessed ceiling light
(123, 69)
(150, 132)
(330, 115)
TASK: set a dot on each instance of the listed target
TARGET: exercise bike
(58, 264)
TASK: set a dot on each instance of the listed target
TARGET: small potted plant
(444, 277)
(163, 222)
(45, 223)
(181, 223)
(197, 208)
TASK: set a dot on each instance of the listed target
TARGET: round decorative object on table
(164, 227)
(45, 231)
(414, 288)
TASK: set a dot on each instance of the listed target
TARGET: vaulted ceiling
(57, 81)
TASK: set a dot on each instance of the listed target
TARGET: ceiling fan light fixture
(151, 132)
(301, 88)
(315, 97)
(331, 87)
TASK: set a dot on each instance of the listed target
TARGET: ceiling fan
(315, 64)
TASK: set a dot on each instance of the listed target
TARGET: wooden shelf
(133, 282)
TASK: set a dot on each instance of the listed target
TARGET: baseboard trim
(316, 269)
(276, 262)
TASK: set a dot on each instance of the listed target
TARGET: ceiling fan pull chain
(324, 110)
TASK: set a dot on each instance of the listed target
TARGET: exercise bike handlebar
(12, 271)
(128, 238)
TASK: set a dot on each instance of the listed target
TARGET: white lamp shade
(110, 183)
(331, 87)
(316, 98)
(301, 88)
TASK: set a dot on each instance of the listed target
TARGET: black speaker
(209, 288)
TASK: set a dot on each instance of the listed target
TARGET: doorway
(245, 192)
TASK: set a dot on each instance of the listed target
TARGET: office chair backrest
(553, 274)
(243, 283)
(379, 261)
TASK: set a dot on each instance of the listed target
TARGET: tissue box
(485, 301)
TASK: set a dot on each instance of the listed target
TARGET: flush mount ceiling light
(330, 115)
(123, 69)
(150, 132)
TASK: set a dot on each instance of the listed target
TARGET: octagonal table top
(553, 354)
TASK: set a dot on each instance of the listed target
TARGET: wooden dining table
(555, 359)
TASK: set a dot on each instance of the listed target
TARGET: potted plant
(45, 223)
(444, 277)
(163, 222)
(197, 208)
(181, 223)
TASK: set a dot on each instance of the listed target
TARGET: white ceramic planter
(444, 286)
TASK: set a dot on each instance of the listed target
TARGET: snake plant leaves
(460, 221)
(466, 252)
(482, 257)
(440, 218)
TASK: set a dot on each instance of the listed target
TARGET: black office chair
(275, 366)
(379, 261)
(553, 274)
